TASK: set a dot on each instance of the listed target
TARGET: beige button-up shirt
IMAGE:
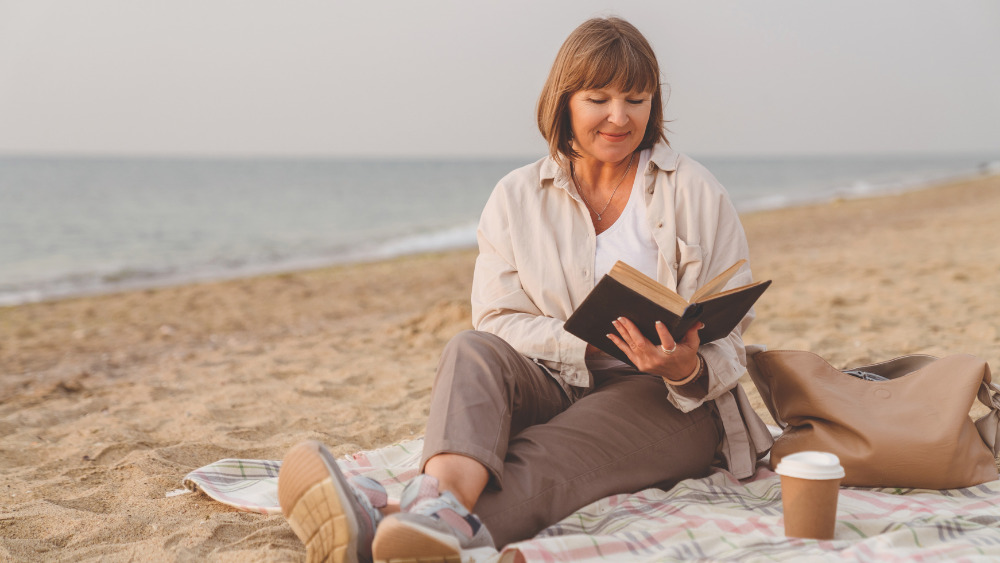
(535, 266)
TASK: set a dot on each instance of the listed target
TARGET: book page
(716, 284)
(733, 290)
(648, 288)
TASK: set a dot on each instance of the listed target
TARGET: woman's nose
(617, 114)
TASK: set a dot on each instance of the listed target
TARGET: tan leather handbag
(910, 430)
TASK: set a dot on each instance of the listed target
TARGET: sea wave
(50, 249)
(129, 278)
(858, 189)
(459, 236)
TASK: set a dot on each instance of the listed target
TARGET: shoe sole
(399, 542)
(312, 492)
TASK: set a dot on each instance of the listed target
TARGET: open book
(627, 292)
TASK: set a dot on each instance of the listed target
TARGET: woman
(529, 423)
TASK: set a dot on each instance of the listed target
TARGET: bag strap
(989, 424)
(761, 382)
(898, 367)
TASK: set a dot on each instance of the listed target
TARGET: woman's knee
(473, 354)
(478, 351)
(480, 360)
(474, 340)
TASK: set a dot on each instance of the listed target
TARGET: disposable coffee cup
(810, 484)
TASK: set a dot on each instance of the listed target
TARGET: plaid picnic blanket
(252, 484)
(715, 518)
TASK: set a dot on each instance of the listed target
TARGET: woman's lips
(614, 137)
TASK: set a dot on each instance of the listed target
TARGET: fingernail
(620, 319)
(659, 323)
(609, 336)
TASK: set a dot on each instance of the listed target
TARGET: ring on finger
(670, 351)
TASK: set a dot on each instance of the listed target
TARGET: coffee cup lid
(811, 465)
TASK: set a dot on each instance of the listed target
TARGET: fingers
(629, 339)
(623, 347)
(691, 338)
(629, 332)
(667, 357)
(635, 339)
(666, 340)
(640, 350)
(671, 359)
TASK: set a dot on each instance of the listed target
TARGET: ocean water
(72, 226)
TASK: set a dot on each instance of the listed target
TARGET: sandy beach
(107, 402)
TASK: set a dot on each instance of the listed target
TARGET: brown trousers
(549, 453)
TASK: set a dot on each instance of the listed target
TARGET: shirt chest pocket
(689, 266)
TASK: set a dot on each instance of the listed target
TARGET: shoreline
(445, 239)
(107, 401)
(865, 190)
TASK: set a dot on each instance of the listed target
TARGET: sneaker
(335, 517)
(432, 527)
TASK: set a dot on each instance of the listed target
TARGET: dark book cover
(611, 299)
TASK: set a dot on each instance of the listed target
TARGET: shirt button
(649, 190)
(659, 225)
(586, 273)
(675, 265)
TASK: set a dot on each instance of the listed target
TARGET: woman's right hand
(672, 360)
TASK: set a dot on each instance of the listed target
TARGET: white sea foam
(461, 236)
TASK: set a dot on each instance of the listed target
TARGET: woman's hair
(602, 52)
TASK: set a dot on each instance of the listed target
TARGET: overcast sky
(419, 78)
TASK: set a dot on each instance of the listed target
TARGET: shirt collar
(661, 156)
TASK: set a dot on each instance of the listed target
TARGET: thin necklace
(572, 172)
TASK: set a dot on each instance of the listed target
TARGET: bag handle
(760, 382)
(989, 424)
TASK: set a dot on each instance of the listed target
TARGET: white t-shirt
(629, 239)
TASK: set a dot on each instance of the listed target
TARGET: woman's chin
(618, 154)
(609, 154)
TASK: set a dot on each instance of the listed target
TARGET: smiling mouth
(614, 136)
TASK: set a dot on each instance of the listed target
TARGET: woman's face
(608, 124)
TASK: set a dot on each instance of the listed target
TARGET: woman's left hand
(671, 360)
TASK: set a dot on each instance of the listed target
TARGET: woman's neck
(601, 176)
(607, 199)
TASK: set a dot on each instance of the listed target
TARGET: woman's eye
(636, 102)
(596, 101)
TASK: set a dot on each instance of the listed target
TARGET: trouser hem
(486, 457)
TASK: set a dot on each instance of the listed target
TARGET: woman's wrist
(699, 369)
